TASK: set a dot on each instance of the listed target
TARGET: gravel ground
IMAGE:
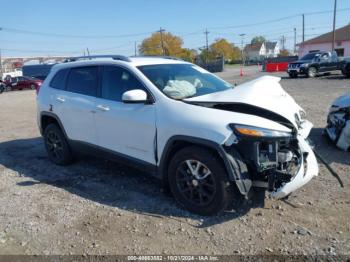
(99, 207)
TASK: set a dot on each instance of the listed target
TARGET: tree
(153, 46)
(172, 46)
(258, 40)
(284, 52)
(188, 54)
(221, 47)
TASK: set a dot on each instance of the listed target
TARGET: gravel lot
(99, 207)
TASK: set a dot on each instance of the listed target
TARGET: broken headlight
(254, 131)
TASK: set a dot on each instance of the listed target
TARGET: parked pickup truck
(346, 69)
(315, 63)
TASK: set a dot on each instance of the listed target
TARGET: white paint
(130, 129)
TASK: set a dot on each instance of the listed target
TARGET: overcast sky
(67, 27)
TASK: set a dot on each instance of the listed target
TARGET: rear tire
(56, 146)
(199, 182)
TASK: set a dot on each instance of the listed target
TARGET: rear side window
(83, 80)
(59, 80)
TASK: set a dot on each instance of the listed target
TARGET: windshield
(310, 56)
(179, 81)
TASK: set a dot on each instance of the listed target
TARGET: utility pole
(303, 27)
(161, 40)
(295, 40)
(206, 45)
(242, 53)
(88, 52)
(283, 41)
(0, 66)
(0, 61)
(334, 16)
(135, 48)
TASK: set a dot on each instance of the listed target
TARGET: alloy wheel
(54, 145)
(196, 182)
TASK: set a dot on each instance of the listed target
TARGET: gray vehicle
(338, 122)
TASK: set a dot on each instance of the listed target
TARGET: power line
(279, 19)
(21, 31)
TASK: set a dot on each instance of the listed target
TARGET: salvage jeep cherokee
(210, 142)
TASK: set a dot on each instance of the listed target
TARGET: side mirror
(135, 96)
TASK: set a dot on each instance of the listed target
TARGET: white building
(260, 51)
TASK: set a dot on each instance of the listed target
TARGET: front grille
(294, 65)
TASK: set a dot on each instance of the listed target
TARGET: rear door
(15, 83)
(74, 102)
(21, 83)
(125, 128)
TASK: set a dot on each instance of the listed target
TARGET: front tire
(293, 75)
(199, 182)
(32, 86)
(312, 72)
(56, 146)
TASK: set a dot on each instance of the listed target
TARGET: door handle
(103, 108)
(60, 99)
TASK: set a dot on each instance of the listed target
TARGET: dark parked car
(315, 63)
(24, 82)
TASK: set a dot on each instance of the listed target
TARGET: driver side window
(116, 81)
(325, 56)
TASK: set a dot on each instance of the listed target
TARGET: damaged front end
(279, 161)
(338, 126)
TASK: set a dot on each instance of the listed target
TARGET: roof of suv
(133, 61)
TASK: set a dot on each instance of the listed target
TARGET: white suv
(210, 142)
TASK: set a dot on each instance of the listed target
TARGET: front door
(325, 63)
(127, 129)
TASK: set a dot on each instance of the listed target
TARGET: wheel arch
(47, 118)
(178, 142)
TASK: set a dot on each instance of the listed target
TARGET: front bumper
(308, 169)
(297, 70)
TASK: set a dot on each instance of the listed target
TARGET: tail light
(37, 89)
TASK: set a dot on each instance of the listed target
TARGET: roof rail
(89, 57)
(161, 56)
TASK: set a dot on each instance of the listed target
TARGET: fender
(242, 182)
(50, 114)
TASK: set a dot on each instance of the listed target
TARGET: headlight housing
(254, 131)
(304, 65)
(333, 108)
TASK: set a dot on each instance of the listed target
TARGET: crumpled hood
(264, 92)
